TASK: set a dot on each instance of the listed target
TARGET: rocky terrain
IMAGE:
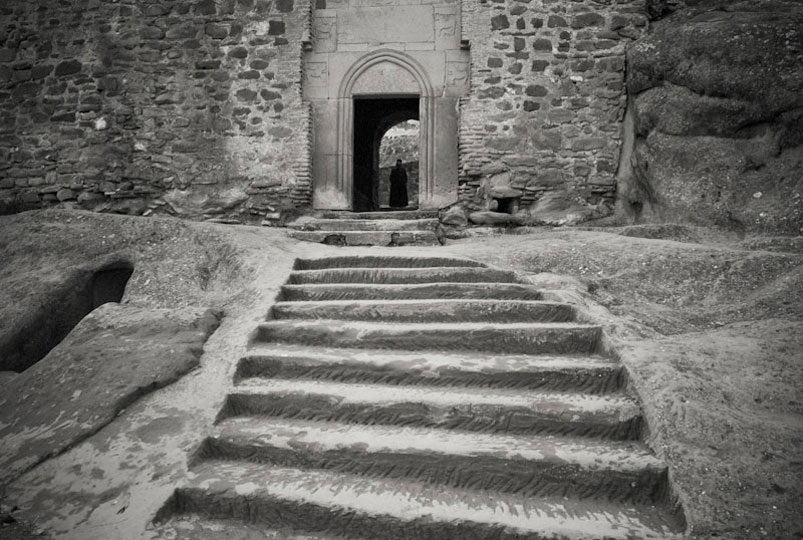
(708, 325)
(716, 116)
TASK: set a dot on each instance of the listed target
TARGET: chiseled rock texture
(716, 95)
(115, 354)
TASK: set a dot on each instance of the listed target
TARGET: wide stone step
(528, 466)
(452, 310)
(585, 373)
(360, 291)
(445, 274)
(386, 214)
(375, 261)
(334, 503)
(344, 224)
(368, 238)
(613, 416)
(515, 338)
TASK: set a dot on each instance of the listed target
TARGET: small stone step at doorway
(402, 228)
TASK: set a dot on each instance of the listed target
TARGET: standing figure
(398, 186)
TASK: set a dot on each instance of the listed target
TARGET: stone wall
(187, 107)
(547, 98)
(198, 107)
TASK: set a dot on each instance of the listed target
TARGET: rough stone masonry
(198, 108)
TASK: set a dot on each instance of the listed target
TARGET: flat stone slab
(368, 238)
(115, 354)
(317, 224)
(446, 274)
(374, 261)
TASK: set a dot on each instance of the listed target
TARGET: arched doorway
(355, 98)
(381, 79)
(373, 117)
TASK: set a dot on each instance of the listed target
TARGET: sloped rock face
(716, 103)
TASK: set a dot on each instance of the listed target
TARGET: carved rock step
(194, 527)
(373, 261)
(515, 338)
(613, 416)
(452, 310)
(338, 504)
(588, 374)
(360, 291)
(527, 466)
(323, 224)
(446, 274)
(368, 238)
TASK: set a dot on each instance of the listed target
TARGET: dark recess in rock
(70, 302)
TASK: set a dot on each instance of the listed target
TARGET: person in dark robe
(398, 186)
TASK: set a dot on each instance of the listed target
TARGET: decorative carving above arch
(385, 56)
(385, 78)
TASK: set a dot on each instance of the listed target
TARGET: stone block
(216, 31)
(556, 21)
(246, 94)
(584, 20)
(7, 55)
(589, 143)
(542, 44)
(276, 28)
(151, 32)
(205, 7)
(65, 194)
(535, 90)
(156, 10)
(68, 67)
(500, 22)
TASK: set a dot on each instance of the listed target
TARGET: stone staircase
(423, 399)
(398, 228)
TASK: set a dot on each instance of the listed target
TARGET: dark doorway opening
(373, 117)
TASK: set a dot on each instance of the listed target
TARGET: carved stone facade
(383, 50)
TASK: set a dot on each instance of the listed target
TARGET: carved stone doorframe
(345, 123)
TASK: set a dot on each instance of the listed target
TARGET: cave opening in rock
(61, 311)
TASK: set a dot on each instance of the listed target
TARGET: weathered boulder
(717, 111)
(561, 208)
(115, 354)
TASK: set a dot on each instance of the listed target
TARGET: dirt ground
(710, 326)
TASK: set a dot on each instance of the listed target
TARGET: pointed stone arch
(395, 60)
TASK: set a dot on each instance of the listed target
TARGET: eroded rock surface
(115, 354)
(717, 104)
